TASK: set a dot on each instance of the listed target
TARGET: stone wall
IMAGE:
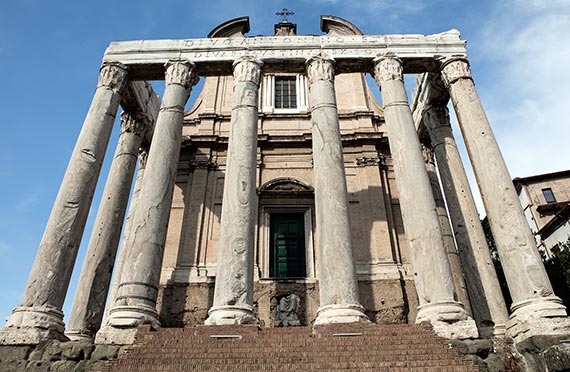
(384, 301)
(56, 356)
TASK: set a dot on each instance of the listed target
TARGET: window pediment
(285, 185)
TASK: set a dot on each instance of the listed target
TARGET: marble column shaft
(126, 242)
(432, 273)
(233, 295)
(338, 287)
(489, 309)
(446, 231)
(137, 293)
(91, 294)
(50, 275)
(528, 282)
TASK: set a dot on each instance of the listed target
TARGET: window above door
(285, 94)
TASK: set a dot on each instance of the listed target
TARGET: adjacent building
(546, 202)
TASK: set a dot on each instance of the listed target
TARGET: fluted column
(135, 303)
(432, 274)
(92, 290)
(446, 232)
(39, 316)
(533, 299)
(489, 309)
(338, 287)
(233, 294)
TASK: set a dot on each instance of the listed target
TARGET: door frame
(265, 236)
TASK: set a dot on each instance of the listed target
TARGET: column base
(123, 323)
(109, 335)
(448, 319)
(125, 316)
(30, 325)
(538, 316)
(78, 334)
(341, 313)
(497, 331)
(231, 315)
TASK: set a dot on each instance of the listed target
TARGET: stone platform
(341, 347)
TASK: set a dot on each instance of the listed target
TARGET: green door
(287, 245)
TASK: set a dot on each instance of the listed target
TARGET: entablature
(352, 53)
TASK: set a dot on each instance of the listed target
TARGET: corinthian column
(233, 294)
(534, 302)
(338, 288)
(446, 232)
(489, 309)
(92, 290)
(135, 303)
(39, 316)
(126, 243)
(432, 274)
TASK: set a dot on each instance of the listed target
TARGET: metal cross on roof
(284, 13)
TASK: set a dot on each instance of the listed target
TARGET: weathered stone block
(77, 350)
(13, 365)
(14, 353)
(105, 352)
(63, 366)
(557, 358)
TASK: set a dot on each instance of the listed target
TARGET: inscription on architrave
(351, 52)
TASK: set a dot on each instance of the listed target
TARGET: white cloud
(528, 102)
(28, 202)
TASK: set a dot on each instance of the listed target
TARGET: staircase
(335, 348)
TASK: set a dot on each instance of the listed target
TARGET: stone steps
(335, 348)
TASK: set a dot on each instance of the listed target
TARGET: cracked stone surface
(233, 295)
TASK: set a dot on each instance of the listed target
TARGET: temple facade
(287, 195)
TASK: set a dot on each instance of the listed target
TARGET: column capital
(436, 117)
(453, 69)
(113, 75)
(428, 154)
(143, 157)
(137, 123)
(247, 68)
(388, 67)
(181, 72)
(320, 67)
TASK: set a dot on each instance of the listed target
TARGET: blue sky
(50, 53)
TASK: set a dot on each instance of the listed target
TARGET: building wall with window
(286, 261)
(546, 201)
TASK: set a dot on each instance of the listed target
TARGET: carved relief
(181, 73)
(368, 161)
(113, 75)
(436, 116)
(247, 69)
(320, 68)
(204, 163)
(287, 311)
(286, 184)
(453, 69)
(388, 68)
